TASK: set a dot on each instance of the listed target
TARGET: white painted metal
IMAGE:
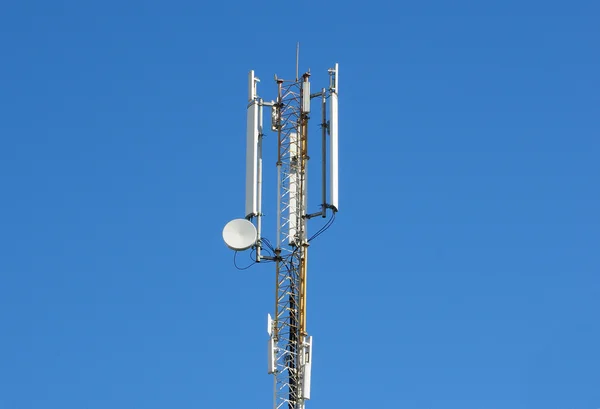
(269, 324)
(278, 231)
(251, 86)
(293, 188)
(306, 376)
(336, 78)
(333, 150)
(306, 97)
(259, 177)
(272, 360)
(252, 160)
(274, 118)
(239, 234)
(305, 196)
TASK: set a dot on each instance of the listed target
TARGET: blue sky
(461, 272)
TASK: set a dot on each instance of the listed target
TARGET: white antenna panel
(307, 368)
(259, 166)
(252, 161)
(333, 147)
(274, 118)
(269, 324)
(336, 77)
(252, 80)
(293, 188)
(272, 360)
(306, 97)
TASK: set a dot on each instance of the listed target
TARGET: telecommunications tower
(290, 346)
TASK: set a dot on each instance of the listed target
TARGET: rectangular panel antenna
(333, 143)
(251, 86)
(293, 188)
(252, 150)
(272, 361)
(269, 324)
(306, 97)
(251, 160)
(307, 349)
(336, 78)
(274, 118)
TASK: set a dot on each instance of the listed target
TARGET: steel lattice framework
(290, 346)
(289, 325)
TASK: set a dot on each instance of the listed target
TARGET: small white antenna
(305, 94)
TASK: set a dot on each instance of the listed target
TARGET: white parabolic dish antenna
(239, 234)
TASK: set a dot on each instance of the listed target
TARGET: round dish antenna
(239, 234)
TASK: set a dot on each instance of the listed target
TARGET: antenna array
(290, 346)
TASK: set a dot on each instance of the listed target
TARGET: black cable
(268, 250)
(271, 246)
(324, 228)
(238, 267)
(268, 243)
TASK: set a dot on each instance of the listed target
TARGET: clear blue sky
(462, 270)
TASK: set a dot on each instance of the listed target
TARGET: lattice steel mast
(289, 335)
(290, 346)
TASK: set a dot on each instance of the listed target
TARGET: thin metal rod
(303, 220)
(275, 333)
(274, 392)
(303, 278)
(297, 58)
(259, 182)
(324, 154)
(276, 318)
(292, 348)
(279, 163)
(278, 235)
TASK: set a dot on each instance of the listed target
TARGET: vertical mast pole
(290, 317)
(289, 253)
(324, 152)
(259, 181)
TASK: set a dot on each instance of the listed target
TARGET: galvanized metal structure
(290, 346)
